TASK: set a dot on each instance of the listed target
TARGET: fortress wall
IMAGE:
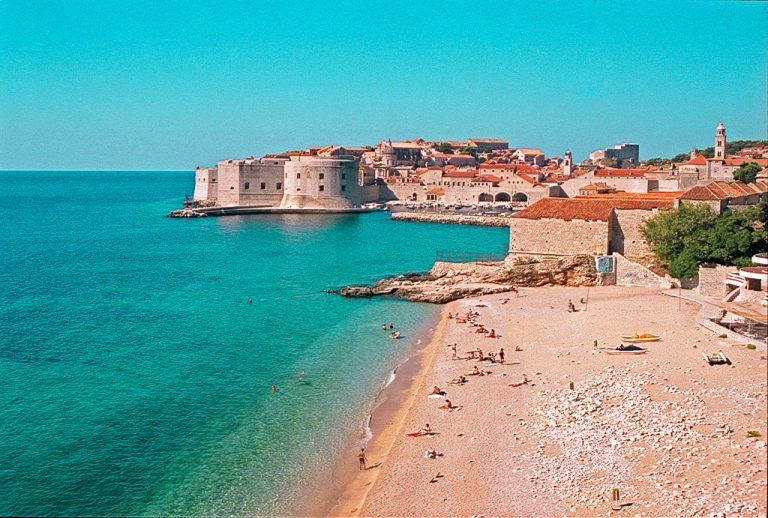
(626, 237)
(321, 183)
(558, 237)
(206, 184)
(250, 182)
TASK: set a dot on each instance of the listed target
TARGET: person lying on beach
(481, 329)
(504, 301)
(492, 334)
(521, 383)
(458, 381)
(448, 405)
(432, 454)
(475, 372)
(437, 390)
(453, 352)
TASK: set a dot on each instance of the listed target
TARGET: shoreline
(387, 420)
(527, 451)
(322, 500)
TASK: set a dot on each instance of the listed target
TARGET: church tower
(568, 164)
(720, 142)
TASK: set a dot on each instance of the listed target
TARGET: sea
(136, 376)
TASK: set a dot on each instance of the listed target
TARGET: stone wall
(250, 182)
(629, 273)
(626, 238)
(457, 219)
(558, 237)
(711, 279)
(321, 183)
(206, 184)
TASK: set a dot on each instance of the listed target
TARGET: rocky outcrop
(456, 219)
(450, 281)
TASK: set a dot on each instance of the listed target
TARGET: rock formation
(450, 281)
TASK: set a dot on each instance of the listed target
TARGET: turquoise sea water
(136, 377)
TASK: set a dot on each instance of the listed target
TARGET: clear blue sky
(173, 84)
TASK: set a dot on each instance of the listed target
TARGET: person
(438, 391)
(492, 334)
(458, 381)
(571, 307)
(450, 315)
(453, 349)
(301, 377)
(426, 429)
(274, 389)
(520, 383)
(501, 355)
(250, 300)
(447, 405)
(384, 327)
(391, 325)
(361, 458)
(475, 372)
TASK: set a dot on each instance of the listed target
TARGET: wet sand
(666, 429)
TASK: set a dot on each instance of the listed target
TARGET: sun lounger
(716, 359)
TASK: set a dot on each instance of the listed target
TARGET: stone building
(487, 144)
(627, 153)
(321, 183)
(721, 195)
(206, 184)
(597, 225)
(250, 181)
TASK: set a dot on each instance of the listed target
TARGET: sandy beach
(664, 428)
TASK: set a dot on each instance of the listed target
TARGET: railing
(451, 256)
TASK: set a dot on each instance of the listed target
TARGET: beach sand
(664, 428)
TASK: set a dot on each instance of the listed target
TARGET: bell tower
(720, 142)
(568, 164)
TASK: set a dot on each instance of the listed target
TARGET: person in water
(274, 389)
(250, 300)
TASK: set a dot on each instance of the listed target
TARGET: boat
(625, 349)
(641, 337)
(716, 359)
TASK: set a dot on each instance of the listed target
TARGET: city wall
(558, 237)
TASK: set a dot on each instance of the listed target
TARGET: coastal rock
(446, 282)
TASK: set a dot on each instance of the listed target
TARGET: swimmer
(274, 389)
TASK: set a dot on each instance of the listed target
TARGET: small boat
(641, 337)
(626, 349)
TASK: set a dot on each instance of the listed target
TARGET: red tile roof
(487, 178)
(723, 190)
(437, 190)
(460, 174)
(634, 173)
(697, 160)
(590, 208)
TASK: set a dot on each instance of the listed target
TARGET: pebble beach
(674, 435)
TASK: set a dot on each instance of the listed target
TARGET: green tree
(444, 147)
(681, 157)
(468, 150)
(747, 173)
(675, 236)
(692, 234)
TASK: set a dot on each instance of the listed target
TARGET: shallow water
(136, 375)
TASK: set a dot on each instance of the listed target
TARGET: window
(298, 175)
(343, 187)
(247, 186)
(322, 187)
(279, 186)
(343, 175)
(322, 175)
(263, 185)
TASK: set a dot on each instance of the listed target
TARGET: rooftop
(721, 190)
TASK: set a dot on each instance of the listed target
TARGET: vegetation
(733, 147)
(444, 147)
(522, 261)
(751, 347)
(694, 233)
(722, 335)
(747, 173)
(468, 150)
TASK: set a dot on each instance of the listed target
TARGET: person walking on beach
(501, 355)
(453, 348)
(361, 458)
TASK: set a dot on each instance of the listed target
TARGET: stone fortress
(478, 171)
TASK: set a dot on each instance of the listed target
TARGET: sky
(167, 84)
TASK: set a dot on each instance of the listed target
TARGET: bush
(722, 336)
(751, 347)
(522, 261)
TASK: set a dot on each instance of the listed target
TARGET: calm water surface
(136, 377)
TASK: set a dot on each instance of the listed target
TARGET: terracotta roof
(697, 160)
(596, 187)
(487, 178)
(435, 168)
(590, 208)
(530, 151)
(634, 173)
(723, 190)
(460, 174)
(643, 196)
(763, 162)
(437, 190)
(567, 209)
